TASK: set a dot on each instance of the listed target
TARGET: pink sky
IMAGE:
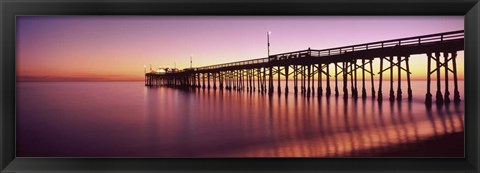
(86, 48)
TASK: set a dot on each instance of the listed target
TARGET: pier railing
(410, 41)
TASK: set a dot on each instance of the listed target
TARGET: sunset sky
(106, 48)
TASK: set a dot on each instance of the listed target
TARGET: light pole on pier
(145, 69)
(270, 80)
(268, 43)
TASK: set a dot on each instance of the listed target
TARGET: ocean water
(128, 119)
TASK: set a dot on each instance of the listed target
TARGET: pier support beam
(380, 95)
(240, 80)
(215, 81)
(303, 79)
(319, 80)
(198, 80)
(270, 80)
(250, 79)
(313, 79)
(259, 70)
(295, 79)
(364, 91)
(300, 78)
(221, 79)
(203, 78)
(192, 80)
(261, 79)
(399, 85)
(308, 78)
(355, 95)
(231, 81)
(372, 80)
(456, 94)
(336, 80)
(286, 79)
(409, 86)
(245, 80)
(236, 87)
(352, 86)
(208, 78)
(227, 80)
(428, 96)
(445, 64)
(328, 91)
(439, 97)
(392, 94)
(345, 76)
(234, 80)
(279, 90)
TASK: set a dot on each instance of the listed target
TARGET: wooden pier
(259, 75)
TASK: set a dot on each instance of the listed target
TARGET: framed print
(239, 86)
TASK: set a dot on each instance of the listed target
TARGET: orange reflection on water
(279, 126)
(131, 120)
(369, 135)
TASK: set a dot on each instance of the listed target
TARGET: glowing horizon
(109, 48)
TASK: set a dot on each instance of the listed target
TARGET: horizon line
(332, 80)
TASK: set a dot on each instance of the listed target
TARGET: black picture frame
(11, 8)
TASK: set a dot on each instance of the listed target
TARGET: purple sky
(117, 47)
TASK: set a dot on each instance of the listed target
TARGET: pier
(259, 75)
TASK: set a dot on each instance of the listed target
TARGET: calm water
(104, 119)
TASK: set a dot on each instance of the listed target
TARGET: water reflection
(167, 122)
(250, 124)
